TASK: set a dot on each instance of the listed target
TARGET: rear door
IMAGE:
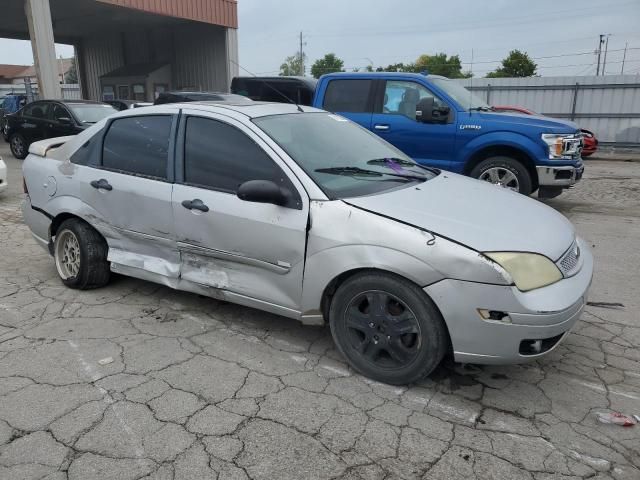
(352, 98)
(254, 250)
(394, 119)
(128, 190)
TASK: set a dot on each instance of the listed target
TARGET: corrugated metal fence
(607, 105)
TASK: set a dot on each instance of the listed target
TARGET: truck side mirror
(424, 110)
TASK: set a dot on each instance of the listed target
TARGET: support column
(231, 41)
(44, 52)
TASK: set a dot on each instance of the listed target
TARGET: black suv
(49, 119)
(180, 97)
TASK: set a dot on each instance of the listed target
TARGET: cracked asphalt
(200, 389)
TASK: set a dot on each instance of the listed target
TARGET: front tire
(19, 146)
(505, 172)
(80, 255)
(387, 328)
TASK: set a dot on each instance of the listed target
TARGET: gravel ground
(200, 389)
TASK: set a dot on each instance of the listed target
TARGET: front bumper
(544, 314)
(559, 176)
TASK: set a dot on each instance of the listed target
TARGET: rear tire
(387, 328)
(80, 255)
(19, 146)
(506, 172)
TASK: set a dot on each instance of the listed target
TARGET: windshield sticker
(338, 118)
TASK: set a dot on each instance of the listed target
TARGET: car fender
(502, 138)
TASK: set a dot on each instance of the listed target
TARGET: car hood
(551, 125)
(477, 214)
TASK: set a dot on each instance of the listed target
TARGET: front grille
(570, 261)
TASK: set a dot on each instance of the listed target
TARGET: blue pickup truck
(439, 123)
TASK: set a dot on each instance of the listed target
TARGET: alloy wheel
(501, 177)
(67, 255)
(17, 145)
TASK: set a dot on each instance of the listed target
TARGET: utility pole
(606, 48)
(301, 57)
(599, 51)
(624, 57)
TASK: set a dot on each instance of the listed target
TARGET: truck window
(401, 98)
(348, 96)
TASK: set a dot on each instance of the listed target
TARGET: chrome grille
(570, 261)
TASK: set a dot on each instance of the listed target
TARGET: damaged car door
(127, 184)
(240, 219)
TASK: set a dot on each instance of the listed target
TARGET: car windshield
(460, 94)
(91, 113)
(344, 159)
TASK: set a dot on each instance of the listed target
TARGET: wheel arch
(504, 151)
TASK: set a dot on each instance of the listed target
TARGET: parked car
(457, 131)
(181, 97)
(52, 118)
(10, 104)
(590, 142)
(127, 104)
(3, 176)
(305, 214)
(276, 89)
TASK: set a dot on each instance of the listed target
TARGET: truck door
(351, 98)
(394, 119)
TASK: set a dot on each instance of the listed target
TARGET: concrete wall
(197, 53)
(607, 105)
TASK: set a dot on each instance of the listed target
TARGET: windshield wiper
(484, 108)
(363, 171)
(391, 161)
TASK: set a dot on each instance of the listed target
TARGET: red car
(590, 141)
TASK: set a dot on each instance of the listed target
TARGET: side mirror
(263, 191)
(64, 120)
(424, 110)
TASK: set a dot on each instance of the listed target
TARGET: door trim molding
(232, 257)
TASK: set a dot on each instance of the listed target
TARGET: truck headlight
(563, 146)
(528, 270)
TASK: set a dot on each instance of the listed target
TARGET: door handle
(101, 184)
(381, 127)
(195, 204)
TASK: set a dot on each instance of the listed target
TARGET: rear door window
(36, 110)
(138, 146)
(352, 96)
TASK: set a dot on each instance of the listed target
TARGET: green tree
(517, 64)
(397, 67)
(441, 64)
(328, 64)
(293, 65)
(71, 76)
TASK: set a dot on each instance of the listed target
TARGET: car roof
(251, 110)
(385, 74)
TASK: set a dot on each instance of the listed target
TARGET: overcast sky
(381, 32)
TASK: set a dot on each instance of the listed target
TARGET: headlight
(528, 270)
(563, 146)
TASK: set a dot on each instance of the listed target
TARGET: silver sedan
(305, 214)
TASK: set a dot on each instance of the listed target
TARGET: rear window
(348, 96)
(138, 145)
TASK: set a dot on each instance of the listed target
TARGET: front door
(60, 122)
(128, 193)
(394, 119)
(254, 250)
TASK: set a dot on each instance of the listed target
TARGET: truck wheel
(80, 254)
(505, 172)
(387, 328)
(18, 145)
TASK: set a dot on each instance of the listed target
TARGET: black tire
(3, 129)
(93, 270)
(19, 146)
(502, 166)
(374, 350)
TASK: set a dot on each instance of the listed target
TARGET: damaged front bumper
(523, 325)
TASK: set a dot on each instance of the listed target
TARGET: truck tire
(387, 328)
(80, 255)
(506, 172)
(19, 146)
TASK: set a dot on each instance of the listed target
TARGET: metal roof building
(195, 41)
